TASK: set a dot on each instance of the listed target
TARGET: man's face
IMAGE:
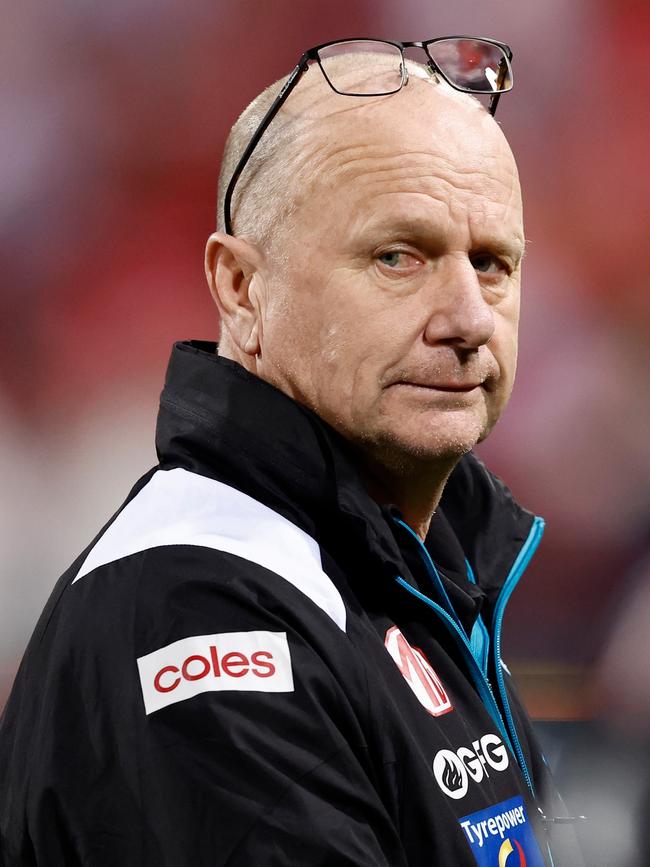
(394, 312)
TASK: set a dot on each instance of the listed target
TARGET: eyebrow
(434, 238)
(514, 249)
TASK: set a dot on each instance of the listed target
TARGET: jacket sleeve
(243, 753)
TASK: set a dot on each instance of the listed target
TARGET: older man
(285, 647)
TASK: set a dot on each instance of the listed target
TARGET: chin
(408, 452)
(441, 450)
(445, 436)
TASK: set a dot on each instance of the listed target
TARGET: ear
(232, 268)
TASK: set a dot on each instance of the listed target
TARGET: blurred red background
(114, 117)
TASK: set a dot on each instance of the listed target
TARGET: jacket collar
(221, 421)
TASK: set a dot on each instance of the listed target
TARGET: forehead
(424, 151)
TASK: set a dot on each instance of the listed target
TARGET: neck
(414, 487)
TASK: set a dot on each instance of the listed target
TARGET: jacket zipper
(482, 684)
(518, 568)
(508, 731)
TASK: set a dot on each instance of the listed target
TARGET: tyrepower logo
(455, 770)
(235, 661)
(502, 836)
(418, 673)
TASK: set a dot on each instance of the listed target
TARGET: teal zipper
(507, 729)
(480, 637)
(433, 573)
(481, 682)
(518, 568)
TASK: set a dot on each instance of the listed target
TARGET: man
(285, 647)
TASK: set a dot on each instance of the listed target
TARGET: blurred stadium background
(113, 119)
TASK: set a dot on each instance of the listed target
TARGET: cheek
(288, 324)
(341, 363)
(508, 354)
(347, 364)
(504, 347)
(311, 350)
(362, 341)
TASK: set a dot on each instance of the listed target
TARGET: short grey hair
(262, 199)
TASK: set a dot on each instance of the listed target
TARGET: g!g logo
(455, 770)
(506, 851)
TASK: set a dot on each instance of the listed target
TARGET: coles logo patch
(418, 673)
(240, 661)
(502, 836)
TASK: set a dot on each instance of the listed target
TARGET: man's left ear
(232, 268)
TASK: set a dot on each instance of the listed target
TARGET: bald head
(283, 163)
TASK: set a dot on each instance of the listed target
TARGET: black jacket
(255, 664)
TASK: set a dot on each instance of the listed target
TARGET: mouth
(453, 388)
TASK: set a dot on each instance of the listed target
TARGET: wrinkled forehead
(426, 120)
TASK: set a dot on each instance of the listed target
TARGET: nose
(459, 313)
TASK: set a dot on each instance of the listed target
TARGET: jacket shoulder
(184, 528)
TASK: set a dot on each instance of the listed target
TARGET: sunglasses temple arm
(274, 108)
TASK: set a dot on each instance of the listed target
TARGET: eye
(398, 260)
(486, 263)
(392, 258)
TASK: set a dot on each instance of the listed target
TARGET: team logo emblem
(418, 673)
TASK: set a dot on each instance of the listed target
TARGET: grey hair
(263, 198)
